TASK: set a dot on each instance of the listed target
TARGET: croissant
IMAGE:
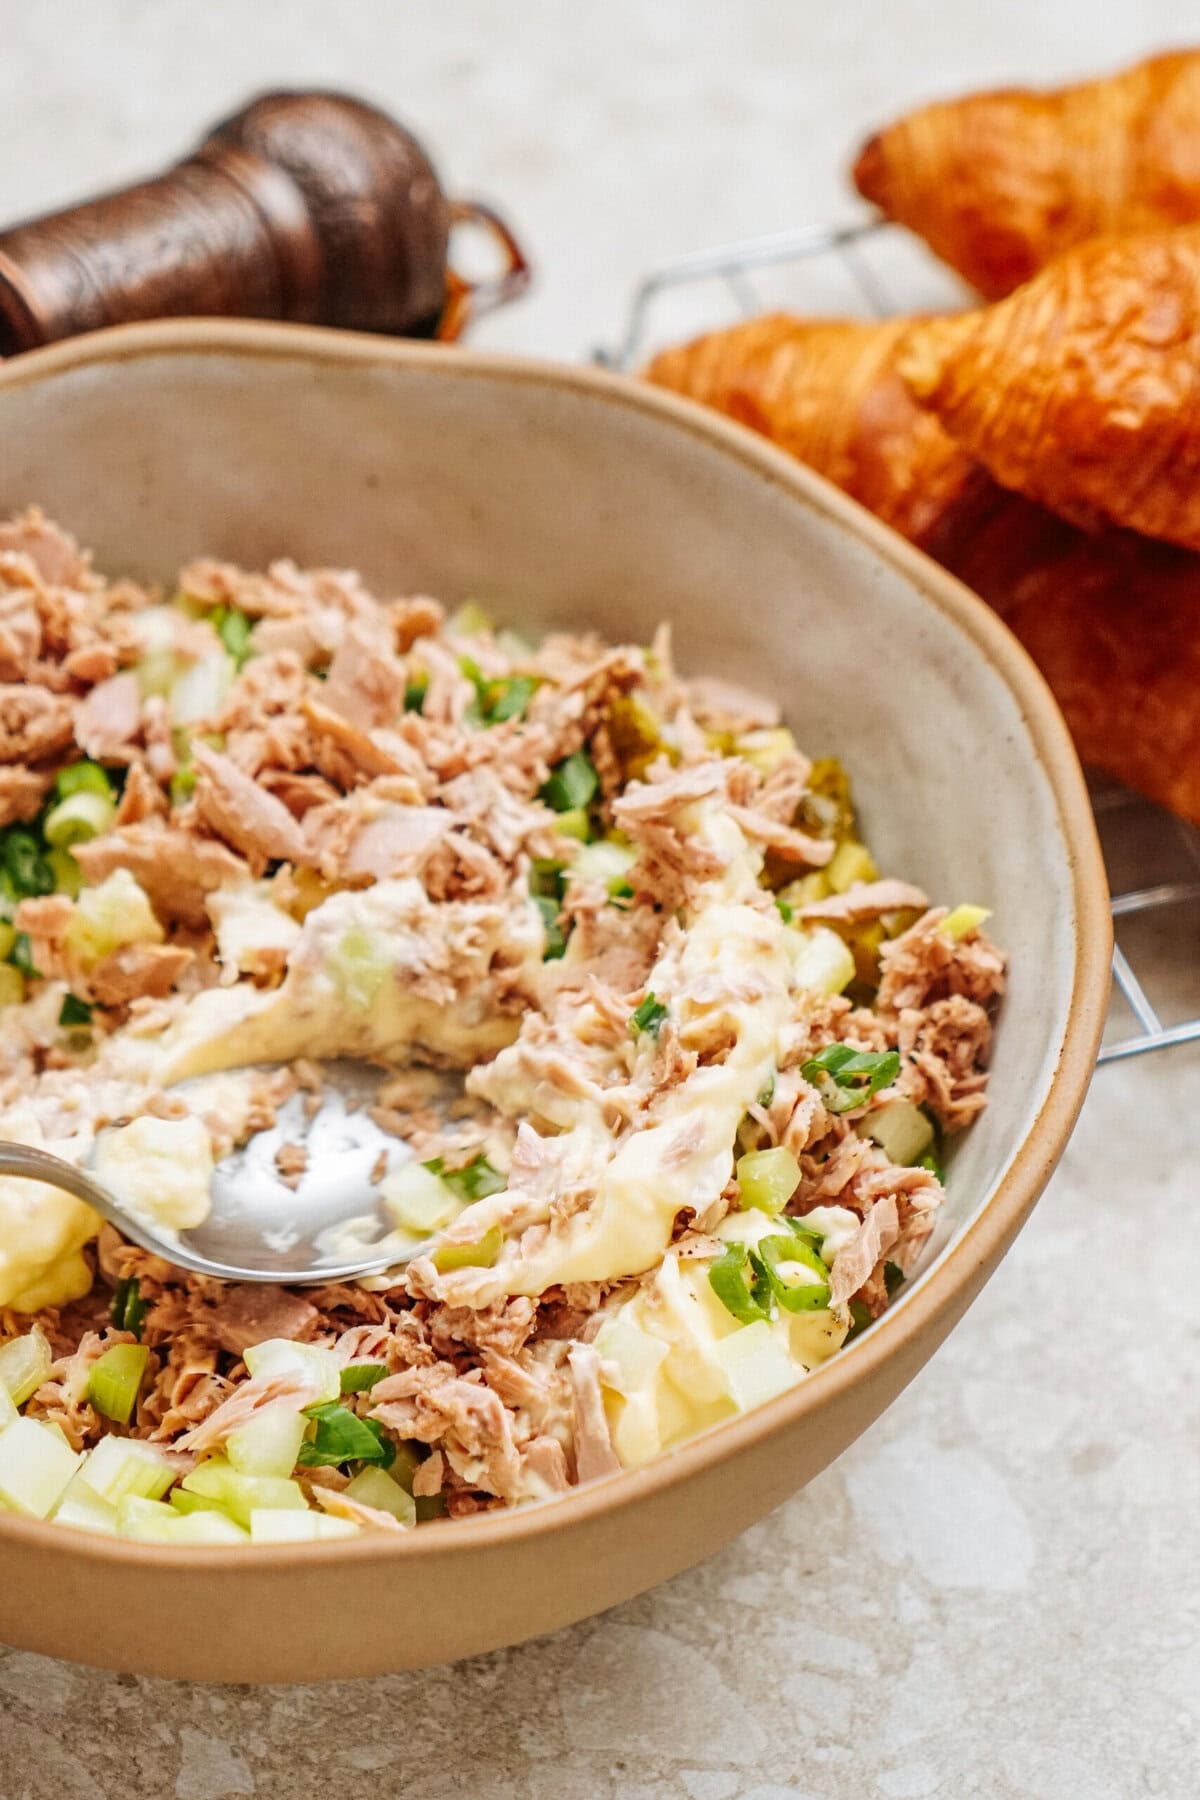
(1111, 619)
(999, 183)
(826, 390)
(1082, 389)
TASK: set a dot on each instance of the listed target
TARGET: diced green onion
(35, 1466)
(930, 1161)
(572, 783)
(357, 1378)
(741, 1284)
(574, 824)
(784, 910)
(74, 1011)
(903, 1132)
(115, 1379)
(555, 936)
(414, 693)
(373, 1487)
(343, 1437)
(128, 1309)
(25, 1364)
(507, 699)
(79, 817)
(475, 1181)
(24, 862)
(846, 1078)
(83, 778)
(183, 784)
(120, 1466)
(648, 1017)
(233, 627)
(791, 1265)
(767, 1179)
(12, 985)
(479, 1255)
(21, 955)
(68, 876)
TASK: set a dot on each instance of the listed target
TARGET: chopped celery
(418, 1199)
(405, 1466)
(799, 1279)
(280, 1356)
(115, 1379)
(902, 1131)
(474, 1181)
(604, 861)
(106, 917)
(83, 778)
(8, 1407)
(963, 920)
(430, 1506)
(77, 818)
(767, 1178)
(851, 862)
(83, 1508)
(68, 876)
(120, 1466)
(766, 748)
(756, 1365)
(574, 824)
(238, 1494)
(183, 1502)
(375, 1487)
(468, 620)
(233, 627)
(12, 985)
(25, 1364)
(154, 1522)
(807, 890)
(201, 688)
(480, 1255)
(821, 962)
(269, 1442)
(35, 1466)
(360, 964)
(572, 783)
(282, 1526)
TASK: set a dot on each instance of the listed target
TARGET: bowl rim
(981, 1241)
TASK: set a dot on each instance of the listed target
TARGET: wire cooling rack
(865, 266)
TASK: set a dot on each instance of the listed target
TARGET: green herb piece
(343, 1437)
(480, 1255)
(648, 1017)
(128, 1310)
(784, 1258)
(556, 937)
(233, 628)
(473, 1182)
(741, 1284)
(356, 1378)
(183, 784)
(21, 954)
(77, 819)
(785, 911)
(846, 1078)
(24, 863)
(414, 693)
(74, 1011)
(573, 783)
(68, 876)
(83, 778)
(115, 1379)
(507, 699)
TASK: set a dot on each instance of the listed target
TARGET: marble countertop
(996, 1591)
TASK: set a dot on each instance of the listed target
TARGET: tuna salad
(669, 1064)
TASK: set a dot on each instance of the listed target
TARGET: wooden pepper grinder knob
(311, 207)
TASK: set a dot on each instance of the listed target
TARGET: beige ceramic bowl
(559, 496)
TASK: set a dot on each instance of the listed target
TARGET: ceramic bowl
(566, 497)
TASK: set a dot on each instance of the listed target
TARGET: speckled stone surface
(996, 1592)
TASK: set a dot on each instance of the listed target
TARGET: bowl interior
(559, 499)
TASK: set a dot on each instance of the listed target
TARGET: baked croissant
(1082, 389)
(1111, 619)
(826, 390)
(999, 183)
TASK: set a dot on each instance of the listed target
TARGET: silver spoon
(260, 1228)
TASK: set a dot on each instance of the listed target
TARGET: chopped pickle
(963, 920)
(827, 809)
(635, 733)
(902, 1131)
(851, 862)
(767, 1179)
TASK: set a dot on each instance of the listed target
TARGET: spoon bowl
(317, 1226)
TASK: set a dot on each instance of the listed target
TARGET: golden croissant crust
(1082, 389)
(826, 390)
(999, 183)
